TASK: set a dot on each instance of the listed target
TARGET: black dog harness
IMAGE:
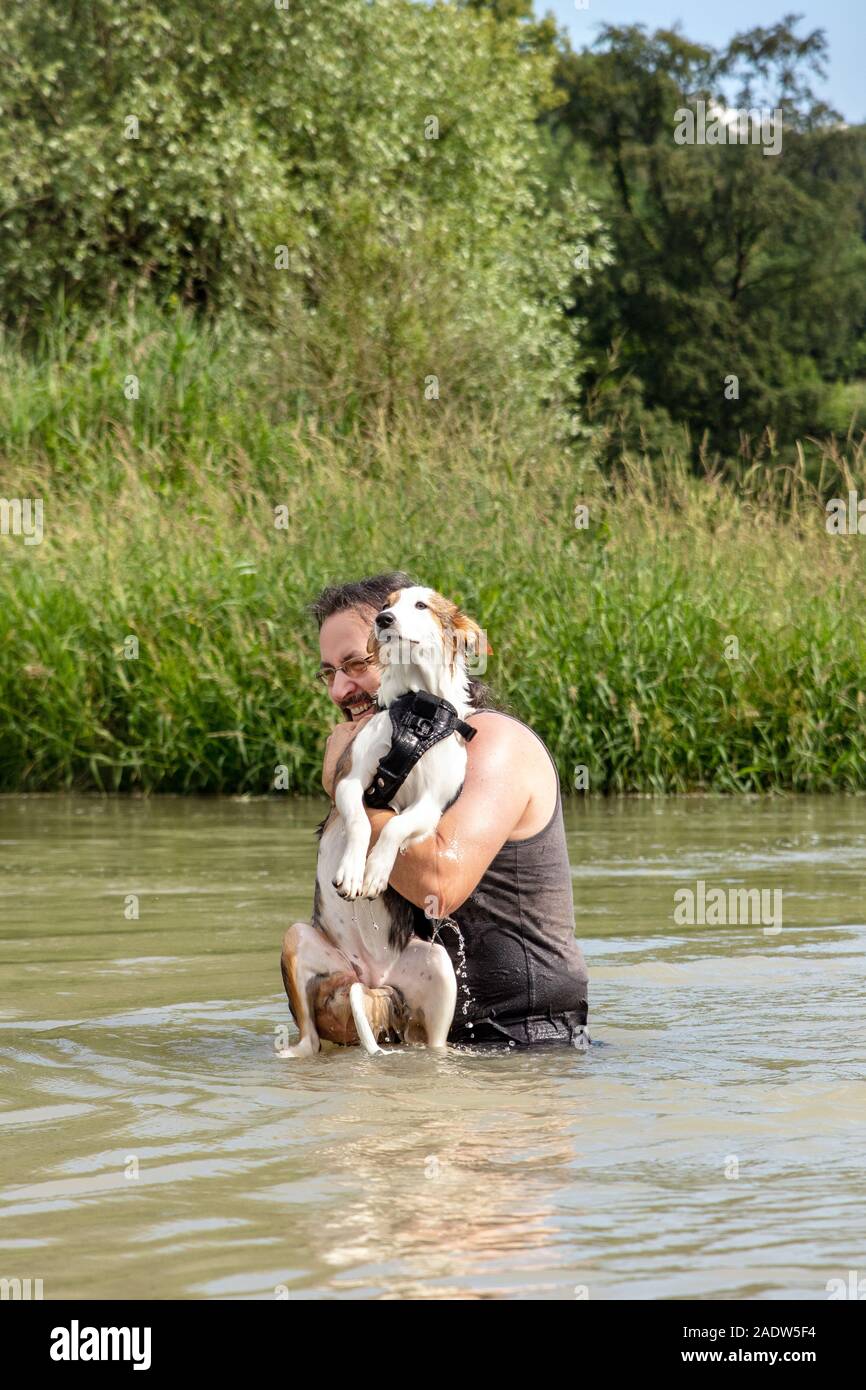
(419, 720)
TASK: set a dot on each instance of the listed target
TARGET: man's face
(343, 637)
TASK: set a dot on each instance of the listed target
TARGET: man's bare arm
(440, 873)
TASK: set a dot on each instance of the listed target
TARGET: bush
(362, 176)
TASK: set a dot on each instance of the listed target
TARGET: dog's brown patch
(294, 993)
(333, 1011)
(459, 631)
(344, 763)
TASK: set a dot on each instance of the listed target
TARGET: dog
(401, 988)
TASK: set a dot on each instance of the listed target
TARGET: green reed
(695, 634)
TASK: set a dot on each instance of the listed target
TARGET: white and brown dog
(361, 933)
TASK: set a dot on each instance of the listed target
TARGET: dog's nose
(385, 619)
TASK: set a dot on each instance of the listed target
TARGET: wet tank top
(525, 976)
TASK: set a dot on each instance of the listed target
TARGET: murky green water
(713, 1147)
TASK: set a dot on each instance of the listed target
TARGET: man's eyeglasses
(355, 668)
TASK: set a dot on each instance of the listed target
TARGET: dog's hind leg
(362, 1023)
(306, 957)
(425, 977)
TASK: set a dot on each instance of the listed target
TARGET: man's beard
(363, 703)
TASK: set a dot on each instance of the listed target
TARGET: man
(497, 866)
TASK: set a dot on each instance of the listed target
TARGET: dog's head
(419, 627)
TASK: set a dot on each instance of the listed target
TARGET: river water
(709, 1144)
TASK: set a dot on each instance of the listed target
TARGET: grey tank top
(523, 966)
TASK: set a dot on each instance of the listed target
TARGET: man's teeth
(358, 706)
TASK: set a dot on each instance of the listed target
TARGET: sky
(714, 24)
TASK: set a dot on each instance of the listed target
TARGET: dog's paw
(376, 877)
(305, 1048)
(349, 878)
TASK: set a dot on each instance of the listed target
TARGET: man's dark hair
(373, 593)
(364, 593)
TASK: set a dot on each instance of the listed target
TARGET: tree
(729, 262)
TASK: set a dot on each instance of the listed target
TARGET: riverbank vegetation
(661, 628)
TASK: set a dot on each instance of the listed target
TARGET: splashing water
(461, 972)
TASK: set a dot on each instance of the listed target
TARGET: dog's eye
(420, 604)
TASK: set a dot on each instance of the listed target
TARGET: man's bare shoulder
(510, 757)
(501, 736)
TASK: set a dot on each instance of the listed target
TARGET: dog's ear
(469, 633)
(462, 634)
(468, 637)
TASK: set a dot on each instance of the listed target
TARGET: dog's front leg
(415, 823)
(350, 803)
(371, 743)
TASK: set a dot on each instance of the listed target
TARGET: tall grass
(614, 641)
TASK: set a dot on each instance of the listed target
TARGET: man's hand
(337, 743)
